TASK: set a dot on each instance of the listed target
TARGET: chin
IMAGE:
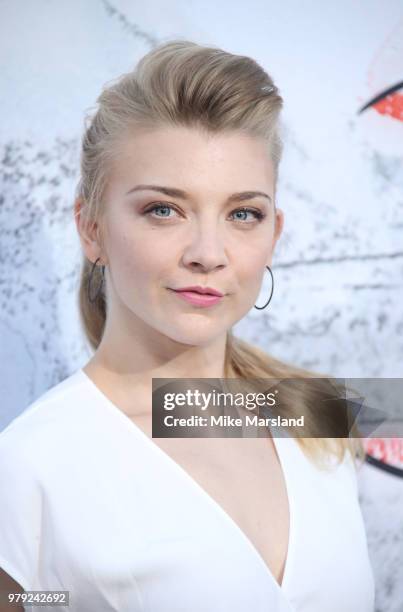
(195, 337)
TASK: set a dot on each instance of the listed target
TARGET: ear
(278, 230)
(88, 233)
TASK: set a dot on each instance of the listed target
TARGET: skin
(150, 331)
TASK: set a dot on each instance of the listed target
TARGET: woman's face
(155, 242)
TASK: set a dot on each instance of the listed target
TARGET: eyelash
(259, 216)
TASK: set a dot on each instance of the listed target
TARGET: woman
(178, 188)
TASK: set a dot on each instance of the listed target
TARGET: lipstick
(199, 299)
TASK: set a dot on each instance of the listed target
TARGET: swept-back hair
(182, 83)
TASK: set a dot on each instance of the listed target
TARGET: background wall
(337, 305)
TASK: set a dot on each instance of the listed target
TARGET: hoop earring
(94, 297)
(271, 293)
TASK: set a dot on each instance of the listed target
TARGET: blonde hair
(182, 83)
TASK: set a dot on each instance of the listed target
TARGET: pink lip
(198, 299)
(199, 289)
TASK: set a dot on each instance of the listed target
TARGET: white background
(337, 304)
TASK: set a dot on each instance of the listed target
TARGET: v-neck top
(93, 506)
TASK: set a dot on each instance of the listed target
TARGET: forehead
(189, 155)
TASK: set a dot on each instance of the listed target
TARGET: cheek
(251, 267)
(132, 244)
(135, 261)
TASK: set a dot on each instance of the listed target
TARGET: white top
(91, 505)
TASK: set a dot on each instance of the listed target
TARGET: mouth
(197, 298)
(200, 290)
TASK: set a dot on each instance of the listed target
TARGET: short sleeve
(20, 513)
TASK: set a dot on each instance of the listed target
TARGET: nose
(206, 248)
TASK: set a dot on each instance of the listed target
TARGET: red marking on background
(388, 450)
(391, 105)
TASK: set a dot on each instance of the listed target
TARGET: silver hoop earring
(271, 293)
(92, 298)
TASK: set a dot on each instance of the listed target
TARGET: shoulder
(47, 421)
(32, 456)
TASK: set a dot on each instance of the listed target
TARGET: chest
(245, 478)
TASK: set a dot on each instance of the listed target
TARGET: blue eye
(258, 215)
(158, 206)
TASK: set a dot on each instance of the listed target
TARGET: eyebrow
(179, 193)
